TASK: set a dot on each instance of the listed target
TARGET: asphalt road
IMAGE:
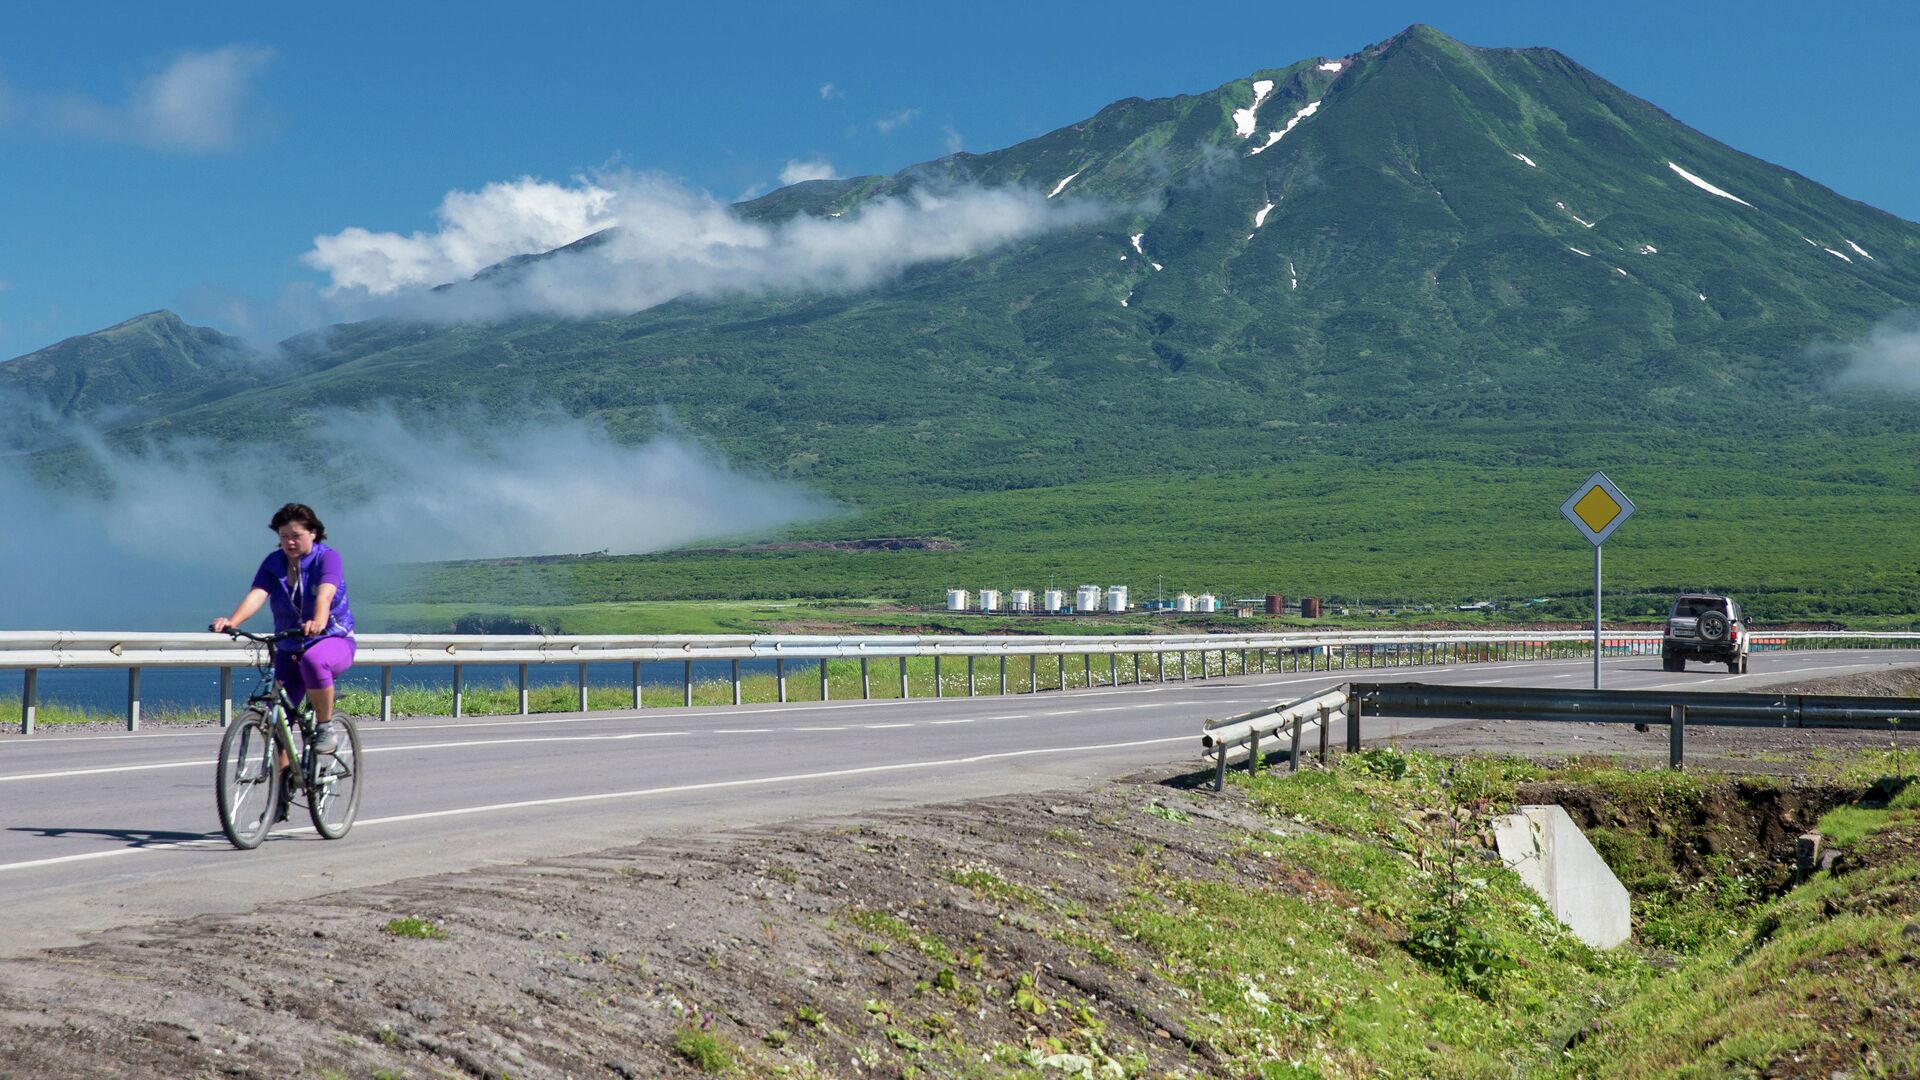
(104, 830)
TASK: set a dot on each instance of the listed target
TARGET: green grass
(704, 1050)
(1800, 544)
(414, 927)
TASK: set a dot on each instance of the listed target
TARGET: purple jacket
(292, 607)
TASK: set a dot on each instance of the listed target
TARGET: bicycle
(250, 753)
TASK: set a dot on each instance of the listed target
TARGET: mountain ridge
(1445, 247)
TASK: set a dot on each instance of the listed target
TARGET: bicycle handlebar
(261, 639)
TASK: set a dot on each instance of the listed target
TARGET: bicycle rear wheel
(333, 797)
(247, 785)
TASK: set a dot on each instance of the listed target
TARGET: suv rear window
(1690, 607)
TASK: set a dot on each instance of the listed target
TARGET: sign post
(1597, 508)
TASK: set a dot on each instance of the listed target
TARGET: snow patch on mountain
(1135, 238)
(1574, 216)
(1649, 249)
(1836, 254)
(1127, 300)
(1525, 158)
(1331, 65)
(1062, 185)
(1293, 279)
(1260, 217)
(1243, 119)
(1311, 108)
(1577, 251)
(1704, 186)
(1860, 251)
(1621, 272)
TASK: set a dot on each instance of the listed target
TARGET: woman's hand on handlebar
(220, 625)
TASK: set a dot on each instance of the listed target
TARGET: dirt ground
(804, 947)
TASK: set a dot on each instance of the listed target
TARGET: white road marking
(954, 721)
(715, 785)
(871, 727)
(742, 730)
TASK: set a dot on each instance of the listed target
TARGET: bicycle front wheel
(333, 798)
(247, 786)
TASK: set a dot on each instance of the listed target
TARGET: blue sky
(187, 156)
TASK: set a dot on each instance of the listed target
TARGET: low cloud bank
(1887, 359)
(670, 242)
(177, 538)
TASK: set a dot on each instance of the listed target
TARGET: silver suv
(1702, 626)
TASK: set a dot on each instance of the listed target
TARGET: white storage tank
(1207, 602)
(1183, 602)
(989, 599)
(1054, 600)
(1022, 600)
(956, 599)
(1117, 599)
(1087, 599)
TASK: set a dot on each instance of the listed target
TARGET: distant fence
(1147, 657)
(1672, 709)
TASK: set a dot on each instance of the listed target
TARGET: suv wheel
(1670, 662)
(1734, 666)
(1712, 626)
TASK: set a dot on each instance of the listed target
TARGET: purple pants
(316, 668)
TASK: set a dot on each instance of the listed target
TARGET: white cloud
(886, 125)
(830, 92)
(201, 101)
(477, 229)
(672, 243)
(812, 169)
(1888, 359)
(446, 487)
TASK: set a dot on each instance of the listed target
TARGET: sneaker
(326, 738)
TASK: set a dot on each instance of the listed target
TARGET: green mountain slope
(150, 364)
(1421, 253)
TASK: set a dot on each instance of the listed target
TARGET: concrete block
(1554, 858)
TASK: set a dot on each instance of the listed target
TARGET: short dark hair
(298, 512)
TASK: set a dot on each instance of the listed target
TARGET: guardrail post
(1293, 747)
(386, 692)
(1325, 718)
(686, 684)
(1253, 755)
(638, 702)
(1676, 736)
(459, 697)
(29, 701)
(1220, 770)
(938, 691)
(583, 686)
(866, 681)
(1159, 667)
(734, 677)
(133, 699)
(226, 696)
(906, 690)
(970, 688)
(1113, 669)
(520, 689)
(1033, 673)
(1086, 668)
(1003, 676)
(1183, 665)
(1353, 723)
(824, 692)
(780, 677)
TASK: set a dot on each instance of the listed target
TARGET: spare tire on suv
(1704, 626)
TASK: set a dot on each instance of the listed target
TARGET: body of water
(165, 690)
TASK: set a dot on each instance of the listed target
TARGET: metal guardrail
(1673, 709)
(1335, 650)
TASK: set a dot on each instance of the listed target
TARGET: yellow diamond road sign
(1597, 508)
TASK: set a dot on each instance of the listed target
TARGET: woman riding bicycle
(307, 589)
